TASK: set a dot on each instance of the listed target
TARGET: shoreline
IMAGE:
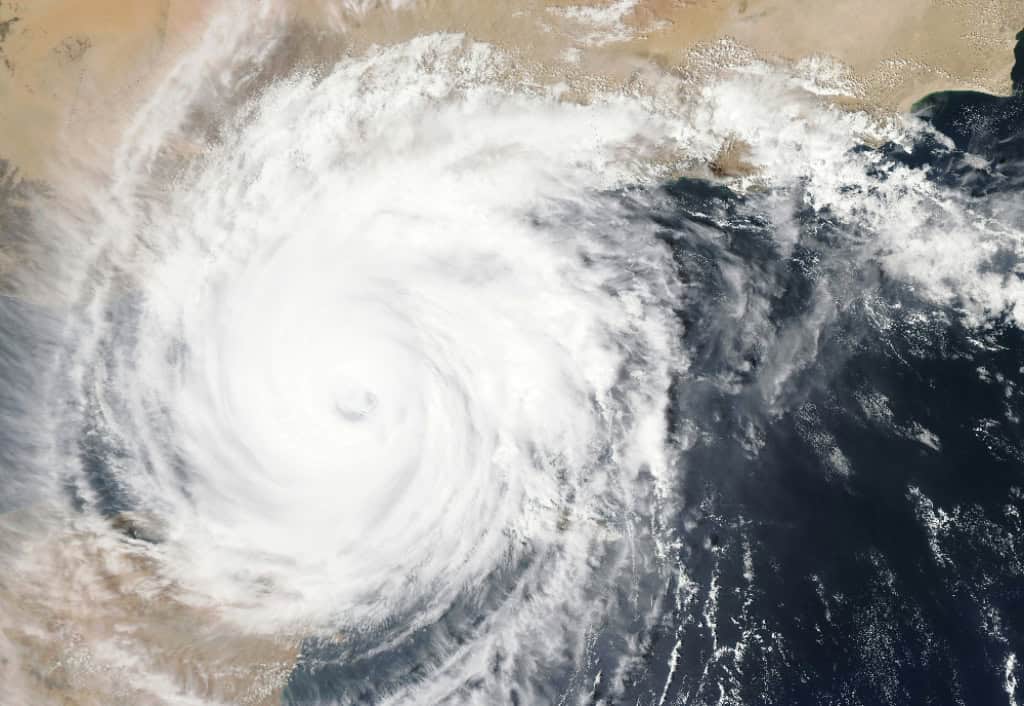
(72, 73)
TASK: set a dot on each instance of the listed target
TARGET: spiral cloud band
(387, 343)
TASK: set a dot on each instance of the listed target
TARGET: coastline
(72, 71)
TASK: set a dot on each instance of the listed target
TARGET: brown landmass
(87, 620)
(68, 66)
(73, 69)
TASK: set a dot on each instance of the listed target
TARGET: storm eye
(353, 402)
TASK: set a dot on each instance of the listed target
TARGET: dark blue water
(854, 537)
(849, 603)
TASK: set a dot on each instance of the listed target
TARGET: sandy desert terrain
(71, 70)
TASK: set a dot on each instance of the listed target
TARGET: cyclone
(386, 353)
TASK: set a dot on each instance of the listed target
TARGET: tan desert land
(72, 69)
